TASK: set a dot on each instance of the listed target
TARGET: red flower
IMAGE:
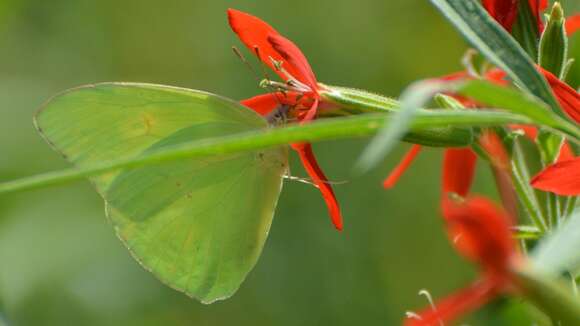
(505, 12)
(303, 99)
(459, 171)
(478, 229)
(458, 174)
(562, 178)
(398, 171)
(572, 24)
(453, 157)
(483, 236)
(568, 98)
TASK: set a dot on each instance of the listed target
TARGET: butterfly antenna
(282, 109)
(310, 182)
(242, 58)
(262, 65)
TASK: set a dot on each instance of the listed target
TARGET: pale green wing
(198, 224)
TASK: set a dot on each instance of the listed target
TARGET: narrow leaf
(517, 102)
(484, 33)
(338, 128)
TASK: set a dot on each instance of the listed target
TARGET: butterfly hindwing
(198, 224)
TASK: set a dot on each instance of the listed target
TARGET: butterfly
(198, 225)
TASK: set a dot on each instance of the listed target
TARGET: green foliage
(338, 128)
(485, 34)
(522, 103)
(144, 52)
(63, 265)
(503, 98)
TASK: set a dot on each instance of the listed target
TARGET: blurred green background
(60, 262)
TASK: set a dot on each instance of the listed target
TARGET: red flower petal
(500, 162)
(497, 76)
(398, 171)
(262, 104)
(572, 24)
(257, 34)
(458, 171)
(457, 177)
(503, 11)
(568, 98)
(562, 178)
(296, 58)
(455, 76)
(543, 4)
(309, 162)
(483, 234)
(456, 305)
(310, 113)
(530, 131)
(495, 149)
(566, 152)
(266, 103)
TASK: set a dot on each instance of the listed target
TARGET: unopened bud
(554, 43)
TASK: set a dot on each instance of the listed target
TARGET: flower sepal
(554, 43)
(349, 101)
(342, 101)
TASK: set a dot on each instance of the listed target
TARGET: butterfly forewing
(197, 224)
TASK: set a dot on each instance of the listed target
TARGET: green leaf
(549, 145)
(420, 93)
(485, 34)
(517, 102)
(526, 194)
(199, 225)
(560, 252)
(338, 128)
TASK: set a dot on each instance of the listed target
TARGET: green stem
(527, 196)
(552, 209)
(569, 206)
(338, 128)
(551, 296)
(549, 146)
(574, 285)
